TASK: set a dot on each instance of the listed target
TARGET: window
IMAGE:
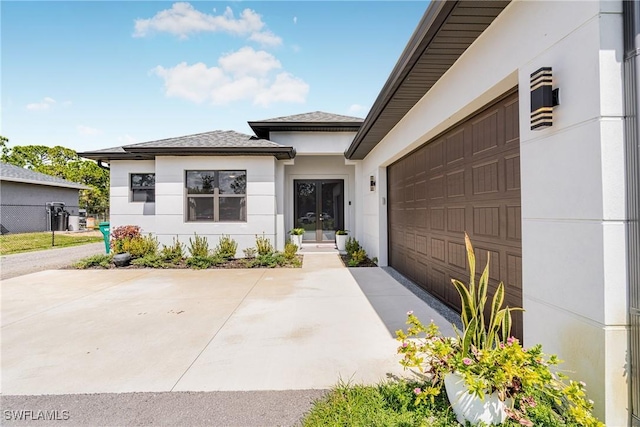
(218, 196)
(143, 187)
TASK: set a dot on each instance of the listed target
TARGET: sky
(88, 75)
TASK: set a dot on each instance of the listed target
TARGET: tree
(63, 163)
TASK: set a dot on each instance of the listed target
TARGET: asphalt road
(222, 408)
(32, 262)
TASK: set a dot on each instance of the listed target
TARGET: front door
(319, 208)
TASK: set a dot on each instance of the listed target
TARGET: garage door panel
(467, 179)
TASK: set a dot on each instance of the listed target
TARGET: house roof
(445, 31)
(315, 121)
(14, 173)
(208, 143)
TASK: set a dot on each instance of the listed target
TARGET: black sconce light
(372, 183)
(543, 98)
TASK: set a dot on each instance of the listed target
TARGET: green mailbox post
(104, 228)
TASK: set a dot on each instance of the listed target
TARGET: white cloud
(45, 104)
(87, 131)
(183, 20)
(127, 139)
(247, 61)
(357, 108)
(286, 88)
(266, 38)
(245, 74)
(295, 19)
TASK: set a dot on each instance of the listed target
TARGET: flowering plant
(489, 359)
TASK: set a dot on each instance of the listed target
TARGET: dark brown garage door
(467, 179)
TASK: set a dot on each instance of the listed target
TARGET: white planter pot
(341, 241)
(469, 407)
(296, 239)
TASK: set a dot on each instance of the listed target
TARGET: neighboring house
(24, 195)
(451, 145)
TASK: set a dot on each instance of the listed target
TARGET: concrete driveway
(95, 331)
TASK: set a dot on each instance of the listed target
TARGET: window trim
(216, 196)
(131, 187)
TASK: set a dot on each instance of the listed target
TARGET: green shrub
(249, 253)
(297, 231)
(351, 246)
(357, 257)
(150, 261)
(271, 260)
(140, 247)
(174, 253)
(199, 246)
(263, 245)
(226, 248)
(103, 261)
(122, 236)
(200, 262)
(290, 250)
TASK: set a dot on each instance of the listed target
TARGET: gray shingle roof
(217, 138)
(13, 173)
(217, 142)
(313, 117)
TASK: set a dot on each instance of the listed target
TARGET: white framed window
(216, 196)
(143, 187)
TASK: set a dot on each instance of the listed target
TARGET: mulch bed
(231, 264)
(366, 263)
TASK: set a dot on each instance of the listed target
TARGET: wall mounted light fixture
(372, 183)
(543, 98)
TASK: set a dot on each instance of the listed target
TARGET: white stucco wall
(572, 178)
(314, 142)
(122, 210)
(169, 218)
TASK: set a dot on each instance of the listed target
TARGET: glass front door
(319, 208)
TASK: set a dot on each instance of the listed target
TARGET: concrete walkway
(31, 262)
(73, 332)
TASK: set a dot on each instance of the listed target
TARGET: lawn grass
(389, 403)
(392, 403)
(27, 242)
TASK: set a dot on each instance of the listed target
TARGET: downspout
(101, 165)
(631, 16)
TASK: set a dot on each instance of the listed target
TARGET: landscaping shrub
(103, 261)
(173, 253)
(290, 250)
(201, 262)
(122, 236)
(150, 260)
(352, 246)
(199, 246)
(249, 253)
(263, 245)
(140, 247)
(358, 257)
(226, 248)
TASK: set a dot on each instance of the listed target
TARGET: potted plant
(296, 236)
(341, 239)
(488, 376)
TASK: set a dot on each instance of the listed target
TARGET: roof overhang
(48, 184)
(444, 33)
(262, 129)
(149, 153)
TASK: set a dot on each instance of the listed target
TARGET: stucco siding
(572, 177)
(314, 142)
